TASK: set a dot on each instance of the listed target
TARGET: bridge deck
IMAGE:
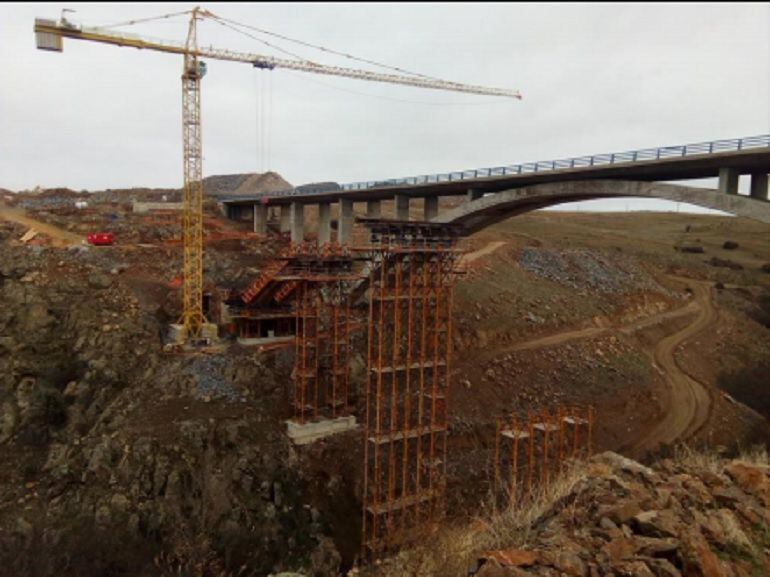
(685, 162)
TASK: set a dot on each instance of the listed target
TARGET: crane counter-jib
(49, 34)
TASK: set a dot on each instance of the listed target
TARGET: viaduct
(494, 194)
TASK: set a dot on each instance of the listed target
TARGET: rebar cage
(409, 367)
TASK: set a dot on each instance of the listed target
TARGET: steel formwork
(409, 367)
(320, 281)
(530, 452)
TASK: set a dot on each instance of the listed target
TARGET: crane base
(176, 334)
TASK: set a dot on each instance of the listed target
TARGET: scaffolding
(412, 270)
(319, 280)
(531, 452)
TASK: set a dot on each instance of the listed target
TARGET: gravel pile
(588, 271)
(208, 372)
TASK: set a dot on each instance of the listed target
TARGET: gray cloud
(595, 78)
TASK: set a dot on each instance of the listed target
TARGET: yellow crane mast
(49, 35)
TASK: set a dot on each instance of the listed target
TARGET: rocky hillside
(695, 515)
(117, 459)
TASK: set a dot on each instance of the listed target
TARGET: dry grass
(453, 550)
(714, 460)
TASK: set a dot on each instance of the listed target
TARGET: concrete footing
(728, 180)
(176, 334)
(759, 188)
(306, 433)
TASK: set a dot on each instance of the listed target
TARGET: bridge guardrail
(644, 154)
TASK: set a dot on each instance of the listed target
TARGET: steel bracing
(530, 452)
(409, 366)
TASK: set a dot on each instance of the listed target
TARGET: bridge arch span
(488, 210)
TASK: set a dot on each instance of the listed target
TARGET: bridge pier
(402, 207)
(474, 195)
(345, 221)
(728, 180)
(430, 209)
(324, 223)
(373, 209)
(759, 188)
(297, 222)
(285, 218)
(260, 218)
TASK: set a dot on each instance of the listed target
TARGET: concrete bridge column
(297, 222)
(373, 209)
(345, 222)
(324, 223)
(430, 209)
(402, 207)
(474, 195)
(728, 180)
(260, 218)
(759, 188)
(285, 219)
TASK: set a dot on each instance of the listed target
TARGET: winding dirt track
(688, 403)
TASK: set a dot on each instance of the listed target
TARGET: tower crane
(50, 35)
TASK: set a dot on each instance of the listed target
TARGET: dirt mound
(244, 184)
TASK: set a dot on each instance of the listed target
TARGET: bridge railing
(641, 155)
(645, 154)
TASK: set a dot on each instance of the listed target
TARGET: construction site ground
(160, 461)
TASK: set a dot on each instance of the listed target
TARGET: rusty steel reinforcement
(409, 367)
(321, 280)
(529, 453)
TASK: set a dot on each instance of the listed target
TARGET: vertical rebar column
(497, 463)
(531, 452)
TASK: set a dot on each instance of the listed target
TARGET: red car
(101, 238)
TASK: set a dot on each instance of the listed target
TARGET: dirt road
(489, 248)
(688, 403)
(59, 236)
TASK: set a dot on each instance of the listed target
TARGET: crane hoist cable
(50, 34)
(317, 47)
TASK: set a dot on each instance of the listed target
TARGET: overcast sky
(594, 77)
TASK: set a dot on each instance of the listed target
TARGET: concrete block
(305, 433)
